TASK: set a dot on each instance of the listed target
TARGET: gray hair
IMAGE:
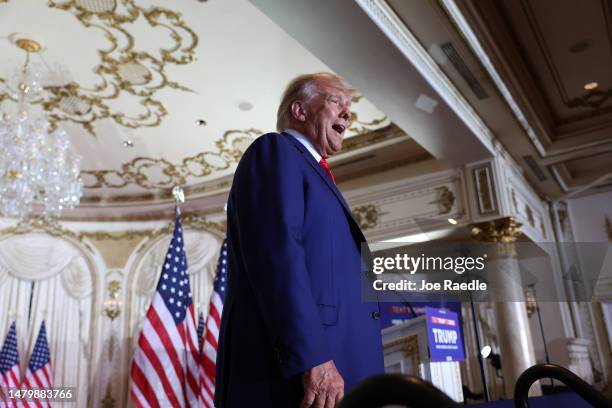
(304, 88)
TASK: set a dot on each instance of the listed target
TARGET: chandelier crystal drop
(37, 166)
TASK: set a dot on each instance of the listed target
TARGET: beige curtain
(202, 251)
(62, 296)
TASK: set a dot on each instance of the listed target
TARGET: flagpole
(179, 198)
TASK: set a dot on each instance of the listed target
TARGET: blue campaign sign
(444, 334)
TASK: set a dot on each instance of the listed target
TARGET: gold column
(508, 300)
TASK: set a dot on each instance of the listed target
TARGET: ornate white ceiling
(135, 70)
(556, 62)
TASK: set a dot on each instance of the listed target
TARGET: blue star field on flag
(174, 283)
(40, 355)
(9, 356)
(220, 282)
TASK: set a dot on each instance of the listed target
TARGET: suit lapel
(319, 170)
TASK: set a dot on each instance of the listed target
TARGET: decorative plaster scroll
(144, 171)
(446, 200)
(411, 205)
(366, 216)
(124, 71)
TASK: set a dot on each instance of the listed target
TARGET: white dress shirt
(307, 143)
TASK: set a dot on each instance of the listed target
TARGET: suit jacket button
(376, 315)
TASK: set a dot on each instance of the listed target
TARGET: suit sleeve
(269, 205)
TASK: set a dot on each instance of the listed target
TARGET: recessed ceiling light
(452, 221)
(245, 106)
(201, 122)
(128, 143)
(591, 85)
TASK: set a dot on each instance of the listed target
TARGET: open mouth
(338, 128)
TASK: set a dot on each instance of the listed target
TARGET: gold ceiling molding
(216, 186)
(358, 126)
(40, 224)
(188, 220)
(142, 170)
(370, 137)
(53, 227)
(122, 69)
(230, 148)
(227, 144)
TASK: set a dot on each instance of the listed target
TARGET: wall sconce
(112, 305)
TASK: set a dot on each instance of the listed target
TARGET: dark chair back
(396, 389)
(577, 384)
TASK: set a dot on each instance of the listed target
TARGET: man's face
(327, 117)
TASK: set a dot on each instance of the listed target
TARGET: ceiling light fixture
(591, 85)
(128, 143)
(38, 164)
(452, 221)
(245, 106)
(201, 122)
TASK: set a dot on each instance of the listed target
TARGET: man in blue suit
(294, 329)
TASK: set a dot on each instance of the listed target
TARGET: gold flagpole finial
(178, 194)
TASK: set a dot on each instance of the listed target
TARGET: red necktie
(325, 166)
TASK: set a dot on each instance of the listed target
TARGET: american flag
(39, 374)
(165, 365)
(208, 359)
(9, 362)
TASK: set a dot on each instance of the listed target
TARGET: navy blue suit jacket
(294, 287)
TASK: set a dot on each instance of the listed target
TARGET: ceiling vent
(535, 167)
(453, 56)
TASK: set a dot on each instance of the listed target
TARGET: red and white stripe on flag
(9, 364)
(39, 373)
(208, 355)
(164, 369)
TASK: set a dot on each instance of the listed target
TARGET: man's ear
(298, 111)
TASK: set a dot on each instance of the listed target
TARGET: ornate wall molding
(498, 189)
(446, 199)
(366, 216)
(485, 189)
(54, 228)
(408, 206)
(369, 137)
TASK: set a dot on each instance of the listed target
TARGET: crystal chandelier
(37, 166)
